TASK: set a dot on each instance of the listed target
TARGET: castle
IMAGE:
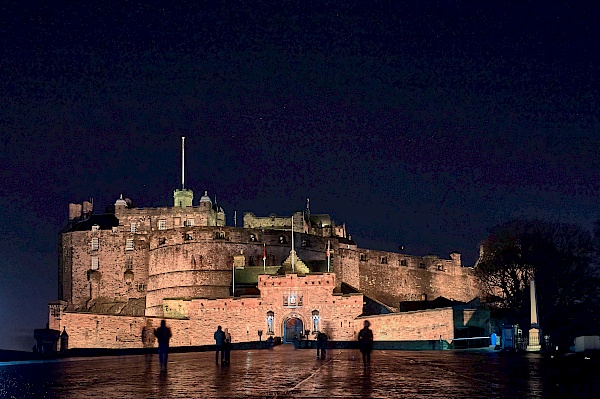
(123, 270)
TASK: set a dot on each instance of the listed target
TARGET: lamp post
(260, 332)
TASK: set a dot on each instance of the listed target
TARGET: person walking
(163, 335)
(322, 345)
(219, 340)
(227, 346)
(365, 343)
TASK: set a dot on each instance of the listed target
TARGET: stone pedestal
(534, 340)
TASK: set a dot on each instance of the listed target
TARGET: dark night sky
(415, 125)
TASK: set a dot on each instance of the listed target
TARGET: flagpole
(264, 257)
(233, 281)
(292, 243)
(328, 255)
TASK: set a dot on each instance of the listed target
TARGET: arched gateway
(293, 327)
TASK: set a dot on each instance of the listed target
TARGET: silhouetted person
(163, 335)
(365, 343)
(322, 344)
(219, 340)
(227, 346)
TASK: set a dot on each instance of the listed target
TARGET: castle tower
(183, 198)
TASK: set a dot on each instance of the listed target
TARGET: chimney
(88, 207)
(455, 256)
(75, 211)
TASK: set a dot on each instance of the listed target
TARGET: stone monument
(534, 332)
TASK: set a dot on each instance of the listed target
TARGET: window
(440, 268)
(95, 243)
(384, 260)
(141, 287)
(403, 262)
(219, 235)
(95, 227)
(363, 257)
(188, 237)
(134, 227)
(270, 320)
(162, 241)
(421, 265)
(315, 319)
(129, 263)
(252, 238)
(94, 263)
(129, 244)
(281, 239)
(162, 224)
(189, 223)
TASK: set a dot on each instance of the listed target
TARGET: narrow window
(384, 260)
(95, 243)
(129, 263)
(162, 224)
(270, 319)
(315, 319)
(363, 257)
(94, 263)
(129, 244)
(189, 223)
(134, 227)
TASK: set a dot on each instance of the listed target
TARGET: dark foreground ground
(284, 372)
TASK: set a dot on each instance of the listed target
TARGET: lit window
(270, 319)
(94, 263)
(162, 224)
(133, 227)
(129, 244)
(315, 319)
(189, 223)
(95, 243)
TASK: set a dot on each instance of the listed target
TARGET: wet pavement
(284, 372)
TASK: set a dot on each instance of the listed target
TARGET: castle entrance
(293, 328)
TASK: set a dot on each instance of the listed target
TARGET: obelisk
(534, 332)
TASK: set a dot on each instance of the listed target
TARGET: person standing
(163, 335)
(365, 343)
(227, 346)
(219, 340)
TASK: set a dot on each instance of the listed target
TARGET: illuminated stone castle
(121, 270)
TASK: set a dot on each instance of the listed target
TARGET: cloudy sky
(421, 126)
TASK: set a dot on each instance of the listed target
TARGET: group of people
(223, 345)
(365, 344)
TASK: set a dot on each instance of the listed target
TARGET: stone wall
(410, 326)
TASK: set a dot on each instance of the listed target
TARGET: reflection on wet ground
(285, 372)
